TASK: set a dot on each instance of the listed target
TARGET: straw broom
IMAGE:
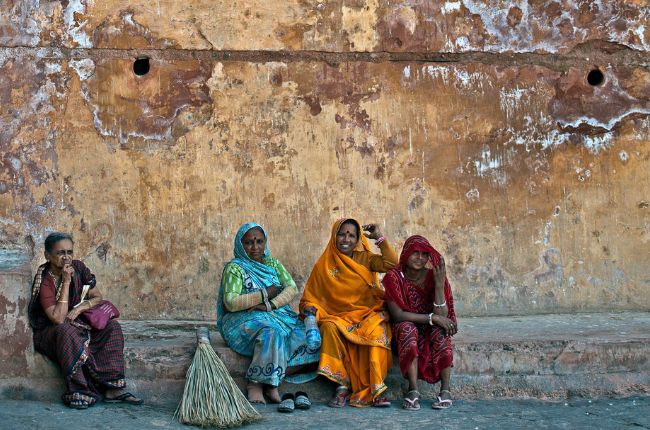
(211, 398)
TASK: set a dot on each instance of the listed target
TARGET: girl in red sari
(421, 305)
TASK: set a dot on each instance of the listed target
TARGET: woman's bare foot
(255, 394)
(272, 393)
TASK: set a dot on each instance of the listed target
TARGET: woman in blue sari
(256, 321)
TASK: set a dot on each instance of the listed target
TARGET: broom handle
(202, 335)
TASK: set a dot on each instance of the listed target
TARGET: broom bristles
(211, 398)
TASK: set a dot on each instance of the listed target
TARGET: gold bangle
(62, 301)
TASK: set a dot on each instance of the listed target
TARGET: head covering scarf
(262, 275)
(412, 299)
(429, 344)
(347, 293)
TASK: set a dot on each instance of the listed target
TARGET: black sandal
(287, 404)
(127, 398)
(302, 400)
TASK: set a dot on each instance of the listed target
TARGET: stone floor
(604, 413)
(541, 356)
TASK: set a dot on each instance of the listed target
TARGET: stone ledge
(538, 356)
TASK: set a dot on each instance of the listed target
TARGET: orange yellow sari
(355, 348)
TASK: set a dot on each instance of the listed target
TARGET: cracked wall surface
(472, 123)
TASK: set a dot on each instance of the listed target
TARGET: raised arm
(56, 309)
(386, 260)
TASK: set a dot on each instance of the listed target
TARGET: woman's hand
(371, 231)
(446, 324)
(74, 313)
(273, 291)
(440, 273)
(309, 310)
(68, 271)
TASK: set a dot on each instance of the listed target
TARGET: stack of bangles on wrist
(379, 240)
(265, 300)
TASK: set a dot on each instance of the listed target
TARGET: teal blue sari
(274, 340)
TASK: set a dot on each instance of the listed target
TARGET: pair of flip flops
(290, 402)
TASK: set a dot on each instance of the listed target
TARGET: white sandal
(411, 404)
(442, 403)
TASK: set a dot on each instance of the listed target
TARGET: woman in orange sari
(344, 293)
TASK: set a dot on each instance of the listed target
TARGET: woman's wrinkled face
(347, 238)
(418, 260)
(254, 243)
(61, 254)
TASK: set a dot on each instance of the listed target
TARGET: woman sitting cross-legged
(421, 306)
(256, 321)
(92, 360)
(344, 294)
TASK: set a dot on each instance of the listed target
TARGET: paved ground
(622, 413)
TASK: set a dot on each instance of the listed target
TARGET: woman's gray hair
(55, 237)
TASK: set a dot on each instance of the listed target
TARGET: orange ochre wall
(471, 123)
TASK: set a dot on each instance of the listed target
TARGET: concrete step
(544, 356)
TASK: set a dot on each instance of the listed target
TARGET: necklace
(58, 281)
(419, 279)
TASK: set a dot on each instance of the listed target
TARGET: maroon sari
(91, 360)
(427, 343)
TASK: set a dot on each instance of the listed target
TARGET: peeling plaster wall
(471, 123)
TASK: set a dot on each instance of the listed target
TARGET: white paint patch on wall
(607, 125)
(74, 28)
(597, 143)
(85, 68)
(486, 163)
(472, 195)
(460, 77)
(51, 68)
(521, 38)
(407, 72)
(509, 100)
(623, 156)
(449, 7)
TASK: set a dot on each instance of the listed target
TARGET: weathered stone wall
(472, 123)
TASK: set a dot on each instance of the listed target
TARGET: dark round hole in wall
(141, 66)
(595, 77)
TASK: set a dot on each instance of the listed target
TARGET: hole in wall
(595, 77)
(141, 66)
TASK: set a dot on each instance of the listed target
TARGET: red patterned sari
(92, 361)
(427, 343)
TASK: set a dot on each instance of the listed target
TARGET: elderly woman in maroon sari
(421, 305)
(92, 361)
